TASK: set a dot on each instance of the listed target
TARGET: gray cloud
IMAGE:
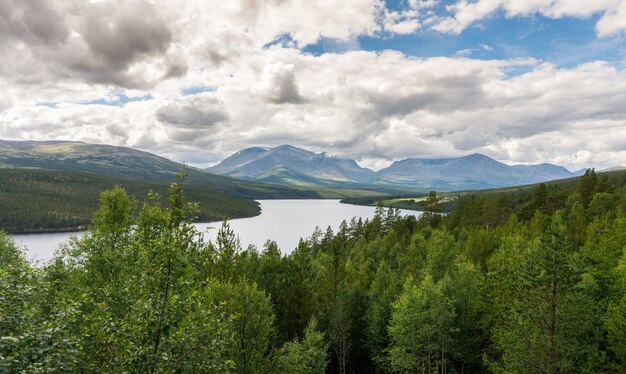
(278, 84)
(122, 35)
(125, 43)
(176, 66)
(118, 38)
(195, 112)
(31, 21)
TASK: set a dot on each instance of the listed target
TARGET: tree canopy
(524, 282)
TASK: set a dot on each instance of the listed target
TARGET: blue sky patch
(49, 104)
(193, 90)
(118, 100)
(565, 42)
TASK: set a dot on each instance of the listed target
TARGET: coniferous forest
(517, 282)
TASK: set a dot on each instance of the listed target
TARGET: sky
(521, 81)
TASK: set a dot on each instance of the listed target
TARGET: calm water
(284, 221)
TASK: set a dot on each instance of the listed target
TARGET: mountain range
(292, 166)
(281, 172)
(124, 162)
(54, 185)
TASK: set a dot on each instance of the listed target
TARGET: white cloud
(613, 21)
(6, 101)
(422, 4)
(465, 13)
(401, 22)
(371, 106)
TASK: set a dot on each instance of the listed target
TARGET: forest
(518, 282)
(34, 200)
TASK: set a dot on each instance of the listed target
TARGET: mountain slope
(35, 200)
(475, 171)
(92, 158)
(303, 167)
(123, 162)
(291, 166)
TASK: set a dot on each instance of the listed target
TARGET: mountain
(288, 165)
(293, 166)
(123, 162)
(470, 172)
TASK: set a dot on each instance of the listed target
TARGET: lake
(284, 221)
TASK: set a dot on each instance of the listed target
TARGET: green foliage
(527, 281)
(421, 328)
(42, 200)
(383, 291)
(306, 356)
(616, 327)
(558, 336)
(252, 323)
(432, 209)
(587, 186)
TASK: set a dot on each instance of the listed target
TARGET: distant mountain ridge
(475, 171)
(124, 162)
(274, 172)
(294, 166)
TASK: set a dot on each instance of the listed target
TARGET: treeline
(542, 291)
(34, 200)
(512, 198)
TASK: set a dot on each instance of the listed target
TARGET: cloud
(193, 112)
(123, 43)
(5, 99)
(401, 22)
(35, 21)
(126, 43)
(422, 4)
(613, 21)
(266, 90)
(121, 35)
(466, 13)
(278, 84)
(465, 52)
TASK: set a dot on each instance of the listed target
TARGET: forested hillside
(128, 163)
(506, 283)
(34, 200)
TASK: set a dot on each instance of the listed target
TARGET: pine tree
(550, 324)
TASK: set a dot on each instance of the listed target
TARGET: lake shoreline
(284, 221)
(51, 231)
(84, 228)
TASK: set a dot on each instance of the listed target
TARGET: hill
(45, 200)
(128, 163)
